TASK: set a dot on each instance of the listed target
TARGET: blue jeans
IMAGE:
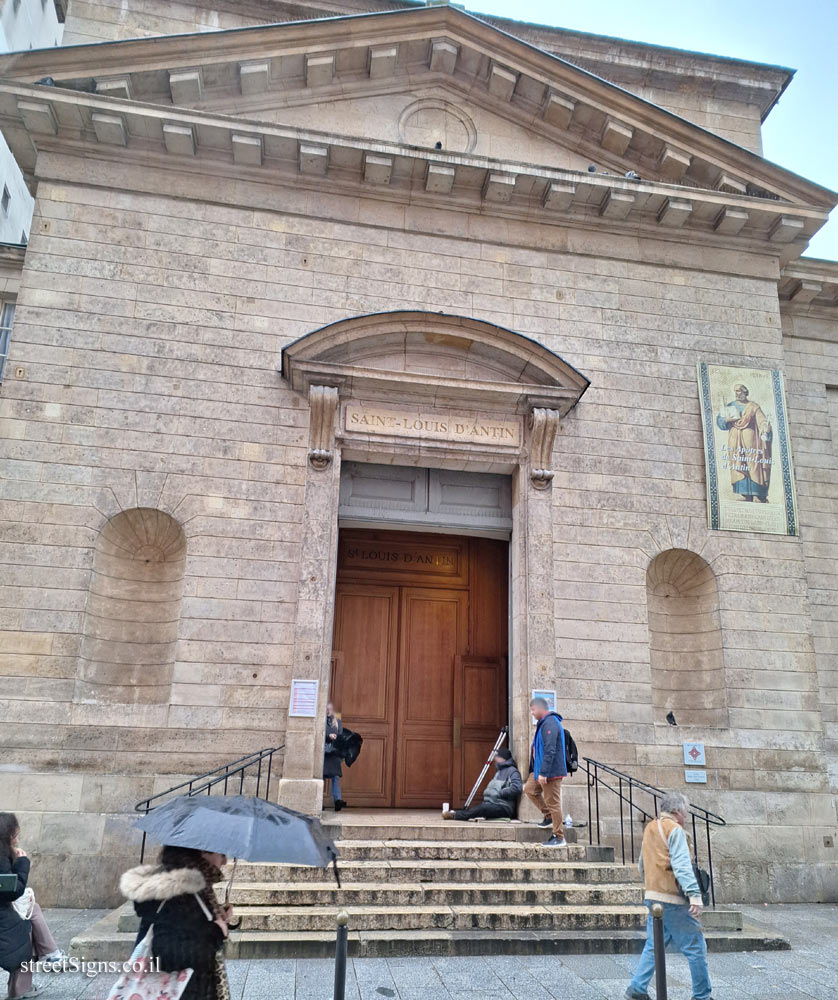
(683, 932)
(336, 789)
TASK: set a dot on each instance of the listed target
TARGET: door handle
(458, 727)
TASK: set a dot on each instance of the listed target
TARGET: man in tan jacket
(668, 874)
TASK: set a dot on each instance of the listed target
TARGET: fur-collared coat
(183, 937)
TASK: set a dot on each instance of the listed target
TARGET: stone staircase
(428, 887)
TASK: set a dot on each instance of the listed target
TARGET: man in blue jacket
(547, 768)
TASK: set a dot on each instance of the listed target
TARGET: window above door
(441, 499)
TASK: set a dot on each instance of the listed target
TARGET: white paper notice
(304, 699)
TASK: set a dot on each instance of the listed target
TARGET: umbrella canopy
(240, 827)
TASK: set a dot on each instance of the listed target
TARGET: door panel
(364, 690)
(479, 712)
(418, 663)
(434, 630)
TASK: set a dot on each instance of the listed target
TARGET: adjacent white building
(24, 25)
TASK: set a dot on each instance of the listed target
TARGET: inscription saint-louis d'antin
(375, 420)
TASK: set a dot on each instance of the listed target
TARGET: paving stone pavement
(808, 972)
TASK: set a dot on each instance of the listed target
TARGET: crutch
(498, 744)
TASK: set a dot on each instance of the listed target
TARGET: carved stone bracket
(323, 401)
(544, 424)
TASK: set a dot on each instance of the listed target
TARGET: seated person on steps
(500, 800)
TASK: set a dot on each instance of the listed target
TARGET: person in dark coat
(176, 899)
(500, 800)
(21, 940)
(332, 770)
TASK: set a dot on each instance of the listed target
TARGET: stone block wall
(150, 327)
(811, 353)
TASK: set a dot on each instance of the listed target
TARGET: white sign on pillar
(694, 754)
(303, 699)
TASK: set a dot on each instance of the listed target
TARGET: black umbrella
(242, 828)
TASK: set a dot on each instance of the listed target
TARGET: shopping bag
(24, 904)
(143, 982)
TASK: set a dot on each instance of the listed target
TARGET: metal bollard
(340, 955)
(660, 952)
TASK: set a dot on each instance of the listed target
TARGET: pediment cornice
(810, 286)
(236, 71)
(91, 126)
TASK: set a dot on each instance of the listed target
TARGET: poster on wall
(549, 697)
(303, 699)
(747, 455)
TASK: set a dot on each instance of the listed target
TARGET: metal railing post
(596, 793)
(590, 828)
(268, 776)
(660, 951)
(622, 826)
(710, 862)
(340, 955)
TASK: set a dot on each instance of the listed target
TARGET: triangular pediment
(431, 117)
(333, 104)
(255, 73)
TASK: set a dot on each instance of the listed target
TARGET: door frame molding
(341, 363)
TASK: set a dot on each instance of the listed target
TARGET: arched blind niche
(133, 609)
(685, 633)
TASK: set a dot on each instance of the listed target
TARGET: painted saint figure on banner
(747, 457)
(748, 445)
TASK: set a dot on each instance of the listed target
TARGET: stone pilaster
(301, 785)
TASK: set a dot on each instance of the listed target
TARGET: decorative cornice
(47, 119)
(630, 63)
(525, 373)
(12, 255)
(810, 285)
(338, 52)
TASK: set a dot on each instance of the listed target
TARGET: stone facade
(157, 437)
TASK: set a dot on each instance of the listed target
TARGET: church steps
(256, 896)
(103, 942)
(456, 850)
(535, 872)
(413, 916)
(473, 833)
(499, 892)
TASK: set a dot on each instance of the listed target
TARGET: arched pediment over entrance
(454, 360)
(431, 386)
(454, 398)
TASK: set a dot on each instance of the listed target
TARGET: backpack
(571, 754)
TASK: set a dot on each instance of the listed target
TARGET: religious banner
(747, 455)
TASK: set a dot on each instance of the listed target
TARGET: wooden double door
(419, 663)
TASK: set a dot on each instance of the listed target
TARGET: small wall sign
(695, 777)
(304, 699)
(549, 697)
(694, 753)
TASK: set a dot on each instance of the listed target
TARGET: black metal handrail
(625, 782)
(223, 775)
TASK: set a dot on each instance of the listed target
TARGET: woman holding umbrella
(190, 926)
